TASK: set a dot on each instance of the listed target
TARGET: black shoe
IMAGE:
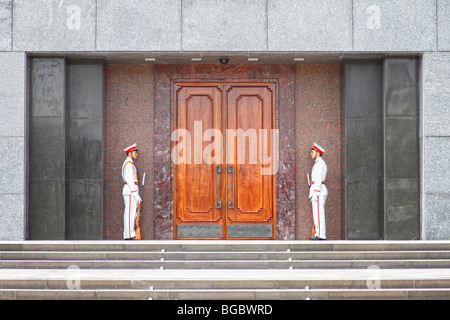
(130, 238)
(317, 238)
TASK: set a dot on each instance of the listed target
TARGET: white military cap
(131, 148)
(318, 148)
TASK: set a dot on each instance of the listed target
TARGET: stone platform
(224, 270)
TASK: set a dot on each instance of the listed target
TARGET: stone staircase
(224, 270)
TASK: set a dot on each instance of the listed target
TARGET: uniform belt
(134, 183)
(323, 182)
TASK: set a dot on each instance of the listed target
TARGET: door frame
(224, 232)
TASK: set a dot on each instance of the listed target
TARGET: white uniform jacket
(130, 178)
(318, 176)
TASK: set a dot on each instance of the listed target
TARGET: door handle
(231, 169)
(217, 170)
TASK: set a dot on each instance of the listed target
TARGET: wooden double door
(224, 154)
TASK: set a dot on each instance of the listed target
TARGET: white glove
(137, 198)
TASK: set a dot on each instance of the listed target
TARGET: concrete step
(225, 264)
(222, 245)
(225, 284)
(224, 255)
(223, 279)
(225, 294)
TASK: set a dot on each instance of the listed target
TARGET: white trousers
(129, 216)
(318, 209)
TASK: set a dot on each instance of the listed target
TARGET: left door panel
(196, 155)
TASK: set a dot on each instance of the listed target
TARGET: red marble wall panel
(128, 119)
(138, 109)
(320, 119)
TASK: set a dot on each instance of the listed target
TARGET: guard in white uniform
(130, 192)
(318, 192)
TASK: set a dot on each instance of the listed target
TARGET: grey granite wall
(401, 148)
(228, 25)
(65, 180)
(436, 145)
(12, 145)
(46, 184)
(364, 163)
(84, 150)
(346, 27)
(382, 149)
